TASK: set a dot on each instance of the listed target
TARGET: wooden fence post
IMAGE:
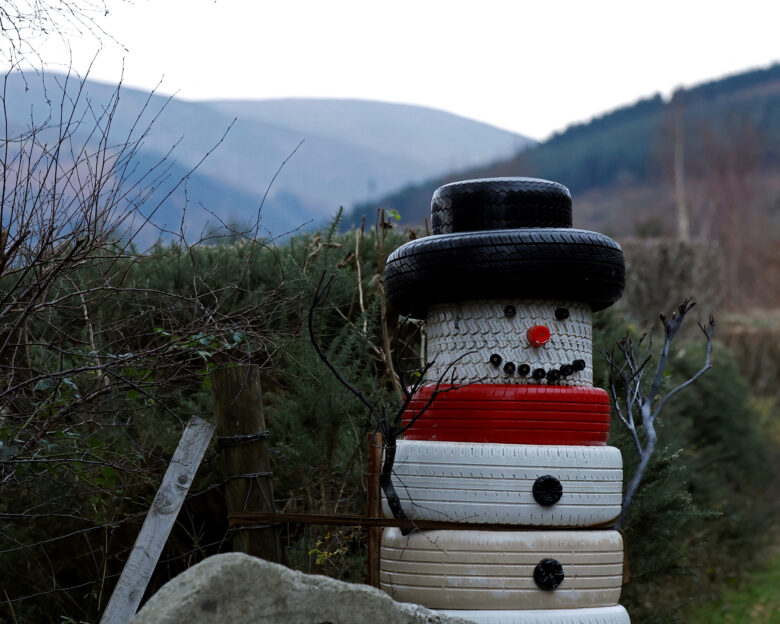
(374, 506)
(243, 442)
(157, 526)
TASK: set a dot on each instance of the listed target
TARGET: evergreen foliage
(706, 505)
(698, 520)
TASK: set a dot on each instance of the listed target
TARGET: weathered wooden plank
(159, 521)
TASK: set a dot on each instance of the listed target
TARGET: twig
(642, 401)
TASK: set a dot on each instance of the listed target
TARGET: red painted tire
(509, 414)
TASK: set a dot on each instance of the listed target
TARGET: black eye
(562, 314)
(495, 359)
(509, 311)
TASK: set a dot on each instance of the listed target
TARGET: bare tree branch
(644, 400)
(25, 24)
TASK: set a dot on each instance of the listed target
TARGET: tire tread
(546, 263)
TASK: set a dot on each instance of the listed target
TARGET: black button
(578, 365)
(509, 311)
(548, 574)
(509, 368)
(553, 375)
(562, 314)
(567, 369)
(547, 490)
(495, 359)
(523, 370)
(538, 373)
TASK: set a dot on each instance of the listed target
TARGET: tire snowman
(507, 288)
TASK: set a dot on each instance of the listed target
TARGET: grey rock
(237, 588)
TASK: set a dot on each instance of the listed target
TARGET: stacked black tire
(516, 433)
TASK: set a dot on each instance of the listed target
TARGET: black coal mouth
(551, 375)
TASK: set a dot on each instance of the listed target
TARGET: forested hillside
(629, 146)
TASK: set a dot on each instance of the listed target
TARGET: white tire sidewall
(493, 483)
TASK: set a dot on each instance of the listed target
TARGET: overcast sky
(530, 67)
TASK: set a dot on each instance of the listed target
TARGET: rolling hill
(337, 152)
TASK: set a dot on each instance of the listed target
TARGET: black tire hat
(487, 262)
(500, 204)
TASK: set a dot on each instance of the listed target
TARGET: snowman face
(513, 341)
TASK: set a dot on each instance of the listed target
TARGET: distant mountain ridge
(348, 151)
(624, 147)
(411, 132)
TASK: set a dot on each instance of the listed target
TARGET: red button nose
(538, 335)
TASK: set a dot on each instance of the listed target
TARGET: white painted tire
(495, 569)
(461, 337)
(494, 483)
(597, 615)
